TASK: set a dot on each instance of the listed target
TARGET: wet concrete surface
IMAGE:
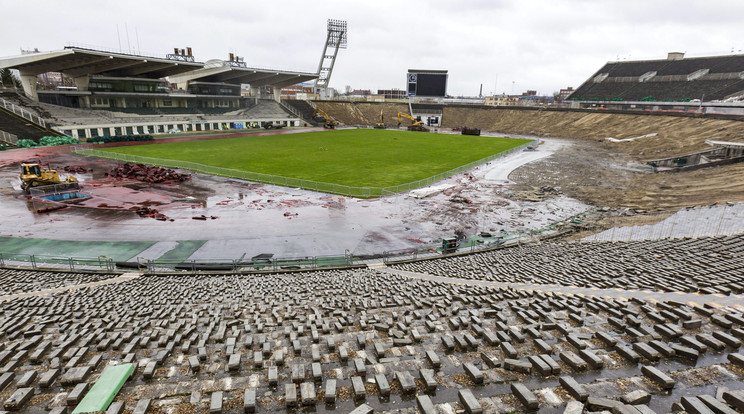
(246, 219)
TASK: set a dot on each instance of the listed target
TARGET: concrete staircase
(304, 109)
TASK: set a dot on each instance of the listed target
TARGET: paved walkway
(126, 277)
(734, 301)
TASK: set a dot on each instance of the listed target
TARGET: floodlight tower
(336, 39)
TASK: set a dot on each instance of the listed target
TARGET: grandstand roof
(227, 73)
(75, 61)
(706, 78)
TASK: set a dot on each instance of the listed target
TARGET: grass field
(356, 157)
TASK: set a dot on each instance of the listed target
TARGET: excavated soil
(364, 113)
(596, 174)
(675, 135)
(594, 170)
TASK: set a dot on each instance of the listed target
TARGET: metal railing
(9, 138)
(359, 192)
(9, 106)
(290, 110)
(36, 261)
(104, 263)
(348, 259)
(54, 189)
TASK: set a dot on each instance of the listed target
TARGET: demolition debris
(148, 174)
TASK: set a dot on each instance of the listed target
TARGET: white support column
(82, 82)
(29, 86)
(277, 93)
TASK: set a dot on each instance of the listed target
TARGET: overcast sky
(506, 45)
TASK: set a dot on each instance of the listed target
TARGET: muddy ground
(246, 219)
(583, 170)
(598, 174)
(594, 170)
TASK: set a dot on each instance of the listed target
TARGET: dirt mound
(596, 174)
(673, 135)
(665, 136)
(363, 113)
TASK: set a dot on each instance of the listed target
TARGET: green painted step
(105, 389)
(47, 249)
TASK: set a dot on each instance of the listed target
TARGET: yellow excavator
(32, 175)
(416, 126)
(381, 124)
(329, 123)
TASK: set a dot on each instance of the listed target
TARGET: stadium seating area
(341, 339)
(669, 83)
(706, 265)
(13, 281)
(20, 127)
(303, 108)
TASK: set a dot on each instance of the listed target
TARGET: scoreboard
(427, 82)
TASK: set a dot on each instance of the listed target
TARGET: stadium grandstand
(123, 94)
(225, 305)
(687, 83)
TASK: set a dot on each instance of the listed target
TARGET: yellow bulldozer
(32, 175)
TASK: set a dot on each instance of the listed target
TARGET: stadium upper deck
(106, 80)
(675, 79)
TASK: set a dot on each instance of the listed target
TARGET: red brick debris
(151, 212)
(148, 174)
(76, 169)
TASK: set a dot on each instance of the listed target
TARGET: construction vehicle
(328, 122)
(416, 126)
(271, 125)
(32, 175)
(381, 124)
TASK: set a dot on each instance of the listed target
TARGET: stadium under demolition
(237, 219)
(530, 314)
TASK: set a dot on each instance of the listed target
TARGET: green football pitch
(354, 157)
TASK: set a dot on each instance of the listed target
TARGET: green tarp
(105, 389)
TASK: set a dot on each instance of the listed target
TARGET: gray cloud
(531, 44)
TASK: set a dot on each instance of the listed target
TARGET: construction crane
(32, 175)
(328, 122)
(381, 124)
(416, 126)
